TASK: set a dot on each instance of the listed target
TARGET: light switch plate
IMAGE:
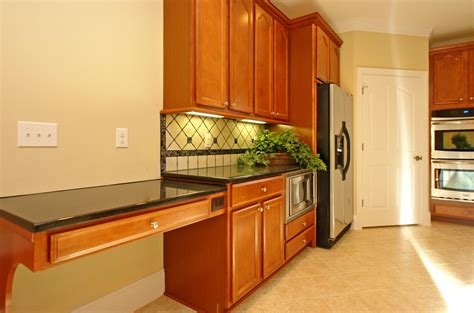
(208, 140)
(33, 134)
(121, 137)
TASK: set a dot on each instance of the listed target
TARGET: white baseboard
(129, 298)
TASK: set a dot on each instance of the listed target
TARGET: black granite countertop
(230, 173)
(43, 211)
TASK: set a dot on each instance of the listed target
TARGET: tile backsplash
(182, 141)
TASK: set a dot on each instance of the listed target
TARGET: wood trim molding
(461, 46)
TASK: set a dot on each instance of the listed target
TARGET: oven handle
(471, 162)
(436, 178)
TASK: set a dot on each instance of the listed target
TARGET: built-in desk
(47, 229)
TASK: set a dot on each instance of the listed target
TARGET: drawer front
(296, 226)
(454, 211)
(82, 241)
(245, 193)
(299, 242)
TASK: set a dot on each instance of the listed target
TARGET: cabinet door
(263, 62)
(212, 53)
(273, 235)
(246, 250)
(450, 77)
(322, 55)
(471, 77)
(241, 55)
(281, 71)
(333, 63)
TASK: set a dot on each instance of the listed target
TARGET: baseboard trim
(129, 298)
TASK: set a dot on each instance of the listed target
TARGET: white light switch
(208, 140)
(121, 137)
(31, 134)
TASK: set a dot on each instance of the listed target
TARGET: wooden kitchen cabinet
(334, 63)
(273, 235)
(452, 77)
(263, 62)
(322, 55)
(471, 76)
(241, 55)
(281, 71)
(246, 250)
(212, 53)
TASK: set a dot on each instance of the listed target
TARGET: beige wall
(379, 50)
(90, 66)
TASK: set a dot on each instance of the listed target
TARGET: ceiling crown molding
(358, 24)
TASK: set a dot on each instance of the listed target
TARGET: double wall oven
(452, 154)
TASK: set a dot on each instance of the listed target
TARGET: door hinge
(362, 147)
(363, 88)
(362, 202)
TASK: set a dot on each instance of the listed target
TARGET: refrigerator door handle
(348, 139)
(339, 153)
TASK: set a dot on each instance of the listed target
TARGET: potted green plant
(268, 145)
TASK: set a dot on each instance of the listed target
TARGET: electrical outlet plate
(32, 134)
(208, 140)
(121, 137)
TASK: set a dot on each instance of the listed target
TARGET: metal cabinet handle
(232, 105)
(260, 210)
(154, 225)
(304, 224)
(264, 189)
(267, 207)
(226, 104)
(461, 99)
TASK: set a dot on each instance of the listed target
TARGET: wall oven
(300, 193)
(452, 179)
(452, 134)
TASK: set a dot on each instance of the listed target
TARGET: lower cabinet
(258, 244)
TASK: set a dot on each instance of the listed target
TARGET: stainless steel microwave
(452, 138)
(300, 193)
(452, 179)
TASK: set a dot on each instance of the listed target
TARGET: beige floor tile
(164, 305)
(294, 288)
(310, 305)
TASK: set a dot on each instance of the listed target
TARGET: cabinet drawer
(82, 241)
(454, 211)
(299, 242)
(248, 192)
(296, 226)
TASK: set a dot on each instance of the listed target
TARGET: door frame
(425, 216)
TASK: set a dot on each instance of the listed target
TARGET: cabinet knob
(304, 241)
(273, 113)
(233, 104)
(461, 99)
(267, 207)
(277, 114)
(264, 189)
(471, 98)
(304, 224)
(226, 104)
(154, 225)
(260, 210)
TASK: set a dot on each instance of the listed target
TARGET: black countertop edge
(225, 180)
(75, 220)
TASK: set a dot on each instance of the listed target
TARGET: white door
(394, 134)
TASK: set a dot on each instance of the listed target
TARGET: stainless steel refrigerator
(335, 204)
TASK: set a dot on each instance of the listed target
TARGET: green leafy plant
(287, 142)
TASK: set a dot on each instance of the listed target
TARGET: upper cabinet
(241, 55)
(322, 55)
(334, 63)
(452, 77)
(212, 54)
(281, 63)
(263, 62)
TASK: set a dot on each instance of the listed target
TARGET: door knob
(260, 210)
(418, 158)
(264, 189)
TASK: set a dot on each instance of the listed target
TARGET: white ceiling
(438, 19)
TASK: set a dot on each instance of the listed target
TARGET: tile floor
(389, 269)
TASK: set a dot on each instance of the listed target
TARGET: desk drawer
(301, 223)
(299, 242)
(78, 242)
(454, 211)
(245, 193)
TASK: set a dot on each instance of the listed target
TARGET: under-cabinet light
(205, 114)
(253, 121)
